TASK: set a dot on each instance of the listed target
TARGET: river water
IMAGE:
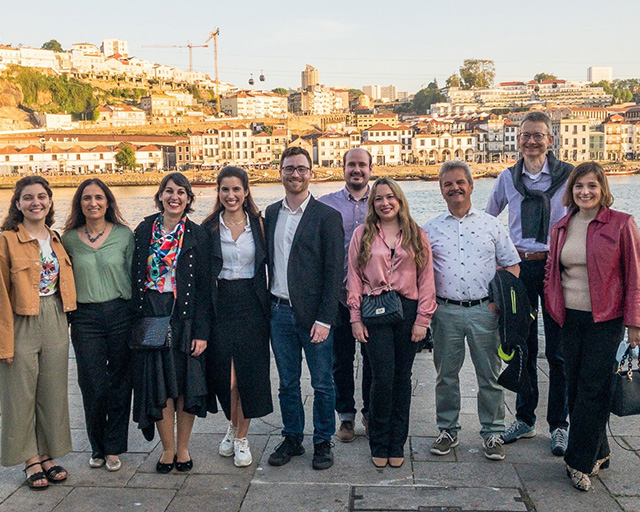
(424, 198)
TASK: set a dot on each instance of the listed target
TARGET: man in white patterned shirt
(467, 245)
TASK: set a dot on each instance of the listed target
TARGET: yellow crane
(214, 35)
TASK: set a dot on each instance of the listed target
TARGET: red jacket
(613, 266)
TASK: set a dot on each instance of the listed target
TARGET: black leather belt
(464, 303)
(279, 301)
(533, 256)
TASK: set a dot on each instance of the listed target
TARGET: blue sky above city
(405, 43)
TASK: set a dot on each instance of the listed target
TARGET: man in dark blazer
(305, 244)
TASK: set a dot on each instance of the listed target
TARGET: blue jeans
(287, 341)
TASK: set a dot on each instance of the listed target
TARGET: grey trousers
(479, 326)
(33, 390)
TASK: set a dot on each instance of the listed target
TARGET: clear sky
(405, 43)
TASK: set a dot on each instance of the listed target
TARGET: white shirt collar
(222, 223)
(536, 177)
(472, 211)
(300, 208)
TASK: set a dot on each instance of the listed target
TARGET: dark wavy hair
(76, 218)
(15, 216)
(181, 180)
(249, 206)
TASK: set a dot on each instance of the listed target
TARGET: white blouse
(238, 256)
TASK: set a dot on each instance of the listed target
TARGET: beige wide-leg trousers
(33, 390)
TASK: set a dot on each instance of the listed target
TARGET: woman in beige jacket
(36, 290)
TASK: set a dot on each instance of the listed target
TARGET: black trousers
(100, 333)
(344, 350)
(391, 354)
(590, 360)
(532, 275)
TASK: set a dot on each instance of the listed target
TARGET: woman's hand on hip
(360, 332)
(8, 360)
(634, 336)
(418, 332)
(198, 347)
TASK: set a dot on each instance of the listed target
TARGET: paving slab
(82, 499)
(292, 497)
(24, 499)
(81, 475)
(444, 474)
(428, 498)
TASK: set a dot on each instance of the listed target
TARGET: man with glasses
(305, 245)
(351, 202)
(533, 188)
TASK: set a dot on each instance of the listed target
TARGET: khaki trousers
(33, 390)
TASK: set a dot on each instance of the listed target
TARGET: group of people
(297, 281)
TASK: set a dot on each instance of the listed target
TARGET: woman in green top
(101, 246)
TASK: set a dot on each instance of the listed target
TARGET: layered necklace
(94, 239)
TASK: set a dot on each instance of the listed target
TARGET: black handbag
(625, 399)
(151, 332)
(382, 309)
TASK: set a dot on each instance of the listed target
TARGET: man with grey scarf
(533, 188)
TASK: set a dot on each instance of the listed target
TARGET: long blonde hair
(411, 236)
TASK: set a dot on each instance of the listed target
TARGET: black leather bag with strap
(625, 399)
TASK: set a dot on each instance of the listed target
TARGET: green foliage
(65, 95)
(423, 100)
(128, 94)
(95, 115)
(454, 81)
(355, 93)
(52, 44)
(195, 92)
(477, 73)
(126, 157)
(178, 133)
(622, 90)
(280, 90)
(541, 77)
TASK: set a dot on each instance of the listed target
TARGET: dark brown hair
(606, 198)
(248, 205)
(15, 216)
(180, 180)
(294, 151)
(77, 219)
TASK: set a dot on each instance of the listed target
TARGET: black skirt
(159, 375)
(241, 332)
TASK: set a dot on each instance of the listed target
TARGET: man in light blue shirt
(533, 189)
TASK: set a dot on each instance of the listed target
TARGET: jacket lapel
(306, 217)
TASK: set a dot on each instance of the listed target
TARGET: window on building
(78, 157)
(30, 158)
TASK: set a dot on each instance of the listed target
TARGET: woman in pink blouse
(390, 250)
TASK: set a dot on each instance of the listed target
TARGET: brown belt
(533, 255)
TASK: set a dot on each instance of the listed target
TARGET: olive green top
(101, 274)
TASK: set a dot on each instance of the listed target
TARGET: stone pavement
(529, 479)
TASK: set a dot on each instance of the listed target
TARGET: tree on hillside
(52, 44)
(355, 93)
(454, 81)
(542, 77)
(423, 100)
(280, 90)
(126, 157)
(477, 73)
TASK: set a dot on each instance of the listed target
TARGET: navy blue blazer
(316, 263)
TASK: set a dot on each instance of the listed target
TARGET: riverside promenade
(529, 479)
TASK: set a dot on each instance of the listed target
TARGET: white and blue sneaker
(559, 441)
(517, 430)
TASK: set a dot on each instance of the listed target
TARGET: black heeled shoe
(163, 468)
(184, 466)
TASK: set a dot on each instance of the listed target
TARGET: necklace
(94, 238)
(231, 223)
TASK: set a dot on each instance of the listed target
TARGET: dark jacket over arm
(315, 270)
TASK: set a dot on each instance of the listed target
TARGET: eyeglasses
(538, 137)
(290, 169)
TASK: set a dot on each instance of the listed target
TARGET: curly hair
(15, 216)
(412, 241)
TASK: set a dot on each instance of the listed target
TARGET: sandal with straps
(32, 479)
(53, 472)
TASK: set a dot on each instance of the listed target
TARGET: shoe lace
(242, 445)
(231, 432)
(492, 441)
(559, 436)
(514, 427)
(444, 435)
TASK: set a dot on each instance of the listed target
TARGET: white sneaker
(243, 453)
(226, 446)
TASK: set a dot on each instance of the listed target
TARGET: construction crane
(214, 35)
(188, 45)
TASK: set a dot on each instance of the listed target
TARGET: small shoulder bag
(625, 399)
(382, 309)
(152, 332)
